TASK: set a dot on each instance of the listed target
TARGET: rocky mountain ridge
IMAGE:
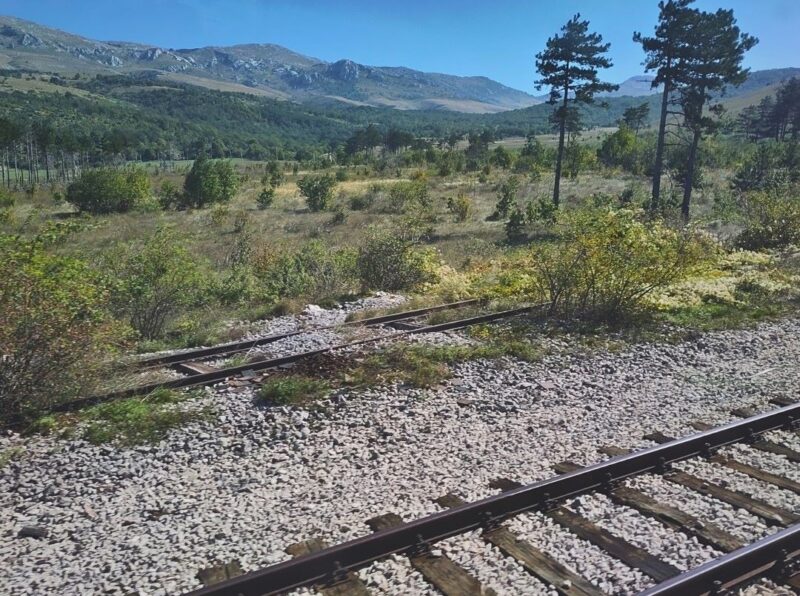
(267, 67)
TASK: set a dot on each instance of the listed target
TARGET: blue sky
(495, 38)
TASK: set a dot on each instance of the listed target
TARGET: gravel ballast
(253, 480)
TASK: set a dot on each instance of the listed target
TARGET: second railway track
(212, 376)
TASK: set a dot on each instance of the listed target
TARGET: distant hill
(262, 69)
(638, 86)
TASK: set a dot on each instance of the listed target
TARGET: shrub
(169, 195)
(515, 226)
(108, 190)
(762, 170)
(54, 329)
(460, 207)
(506, 197)
(771, 220)
(408, 196)
(607, 262)
(622, 149)
(362, 202)
(209, 181)
(542, 210)
(273, 175)
(153, 282)
(265, 197)
(318, 191)
(314, 271)
(339, 216)
(6, 204)
(388, 261)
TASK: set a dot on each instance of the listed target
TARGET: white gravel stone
(253, 480)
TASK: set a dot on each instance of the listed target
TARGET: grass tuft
(136, 420)
(294, 390)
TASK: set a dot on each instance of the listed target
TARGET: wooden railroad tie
(444, 574)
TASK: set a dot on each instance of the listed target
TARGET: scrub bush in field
(266, 197)
(108, 190)
(506, 198)
(314, 271)
(606, 262)
(54, 329)
(408, 196)
(461, 207)
(153, 282)
(6, 204)
(392, 262)
(317, 190)
(209, 181)
(771, 220)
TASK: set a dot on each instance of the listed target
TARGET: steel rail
(220, 375)
(321, 566)
(241, 346)
(776, 554)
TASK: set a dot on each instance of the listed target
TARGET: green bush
(314, 271)
(273, 175)
(506, 197)
(622, 149)
(771, 220)
(108, 190)
(515, 226)
(265, 197)
(461, 207)
(389, 261)
(542, 210)
(209, 181)
(54, 329)
(6, 205)
(606, 262)
(169, 195)
(408, 196)
(317, 190)
(6, 200)
(763, 170)
(152, 282)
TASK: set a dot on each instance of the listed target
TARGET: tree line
(775, 117)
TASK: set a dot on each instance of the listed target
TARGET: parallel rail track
(331, 569)
(245, 345)
(222, 374)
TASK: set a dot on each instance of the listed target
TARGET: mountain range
(276, 72)
(263, 69)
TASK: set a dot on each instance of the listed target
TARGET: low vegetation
(136, 420)
(293, 390)
(108, 190)
(55, 330)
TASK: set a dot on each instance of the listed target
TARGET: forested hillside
(143, 117)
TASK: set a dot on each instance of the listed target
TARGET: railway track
(331, 570)
(228, 349)
(200, 375)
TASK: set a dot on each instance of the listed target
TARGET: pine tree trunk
(560, 156)
(687, 184)
(658, 166)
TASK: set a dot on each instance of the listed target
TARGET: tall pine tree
(718, 48)
(666, 54)
(569, 65)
